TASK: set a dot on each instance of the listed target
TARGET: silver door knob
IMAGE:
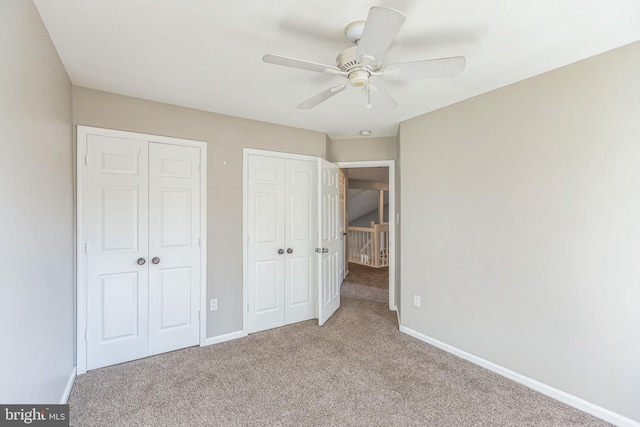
(155, 260)
(280, 251)
(325, 250)
(289, 251)
(141, 261)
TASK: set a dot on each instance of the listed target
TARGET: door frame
(391, 164)
(246, 152)
(81, 229)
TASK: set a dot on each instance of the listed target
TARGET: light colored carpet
(366, 283)
(356, 370)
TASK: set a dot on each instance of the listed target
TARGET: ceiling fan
(362, 64)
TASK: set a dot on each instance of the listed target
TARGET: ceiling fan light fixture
(359, 78)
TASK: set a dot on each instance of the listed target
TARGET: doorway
(371, 236)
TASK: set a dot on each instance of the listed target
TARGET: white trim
(81, 174)
(81, 259)
(279, 154)
(245, 238)
(391, 164)
(569, 399)
(203, 242)
(67, 390)
(225, 337)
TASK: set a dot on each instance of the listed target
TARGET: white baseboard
(569, 399)
(223, 338)
(67, 389)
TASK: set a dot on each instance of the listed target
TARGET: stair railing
(369, 245)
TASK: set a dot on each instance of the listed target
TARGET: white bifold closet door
(282, 236)
(143, 254)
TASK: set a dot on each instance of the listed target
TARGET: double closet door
(143, 252)
(282, 231)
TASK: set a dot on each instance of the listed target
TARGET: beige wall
(521, 228)
(226, 137)
(361, 149)
(36, 213)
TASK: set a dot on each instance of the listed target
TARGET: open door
(329, 241)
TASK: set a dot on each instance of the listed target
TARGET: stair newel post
(376, 244)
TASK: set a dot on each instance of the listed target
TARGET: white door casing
(139, 197)
(281, 237)
(329, 241)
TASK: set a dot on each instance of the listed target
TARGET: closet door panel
(300, 240)
(117, 236)
(174, 247)
(265, 230)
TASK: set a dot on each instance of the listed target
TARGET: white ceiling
(207, 54)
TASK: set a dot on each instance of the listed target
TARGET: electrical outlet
(416, 300)
(213, 305)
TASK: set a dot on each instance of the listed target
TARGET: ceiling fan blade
(382, 100)
(380, 29)
(321, 97)
(299, 63)
(427, 69)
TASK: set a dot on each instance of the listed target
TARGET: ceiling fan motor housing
(347, 61)
(357, 73)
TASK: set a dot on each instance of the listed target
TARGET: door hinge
(86, 159)
(86, 335)
(199, 315)
(85, 247)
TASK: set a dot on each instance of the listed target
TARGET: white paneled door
(143, 249)
(300, 237)
(329, 242)
(174, 247)
(282, 234)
